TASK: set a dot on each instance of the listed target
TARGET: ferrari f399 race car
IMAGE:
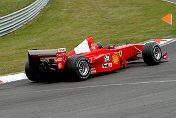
(88, 58)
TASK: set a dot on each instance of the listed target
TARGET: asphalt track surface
(139, 91)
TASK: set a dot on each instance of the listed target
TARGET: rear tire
(32, 73)
(78, 67)
(151, 53)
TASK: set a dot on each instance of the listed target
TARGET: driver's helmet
(94, 47)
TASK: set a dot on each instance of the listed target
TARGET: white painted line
(13, 77)
(97, 86)
(109, 85)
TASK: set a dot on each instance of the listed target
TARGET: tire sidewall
(72, 68)
(157, 61)
(148, 53)
(31, 73)
(77, 68)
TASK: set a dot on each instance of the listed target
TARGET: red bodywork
(101, 60)
(117, 56)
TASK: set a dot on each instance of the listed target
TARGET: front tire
(78, 67)
(151, 53)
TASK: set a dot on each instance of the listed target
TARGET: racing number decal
(107, 58)
(120, 53)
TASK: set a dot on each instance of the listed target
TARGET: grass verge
(9, 6)
(65, 23)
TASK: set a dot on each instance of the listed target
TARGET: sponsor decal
(93, 70)
(107, 58)
(61, 50)
(59, 59)
(106, 65)
(115, 59)
(120, 53)
(60, 65)
(61, 54)
(110, 64)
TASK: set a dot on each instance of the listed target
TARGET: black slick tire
(151, 53)
(32, 74)
(78, 68)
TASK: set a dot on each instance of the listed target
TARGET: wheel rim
(83, 68)
(157, 53)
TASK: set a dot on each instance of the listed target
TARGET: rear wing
(36, 57)
(42, 53)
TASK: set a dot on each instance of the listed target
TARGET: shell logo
(115, 59)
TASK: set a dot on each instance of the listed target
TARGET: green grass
(9, 6)
(66, 23)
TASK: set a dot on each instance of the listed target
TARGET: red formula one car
(88, 58)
